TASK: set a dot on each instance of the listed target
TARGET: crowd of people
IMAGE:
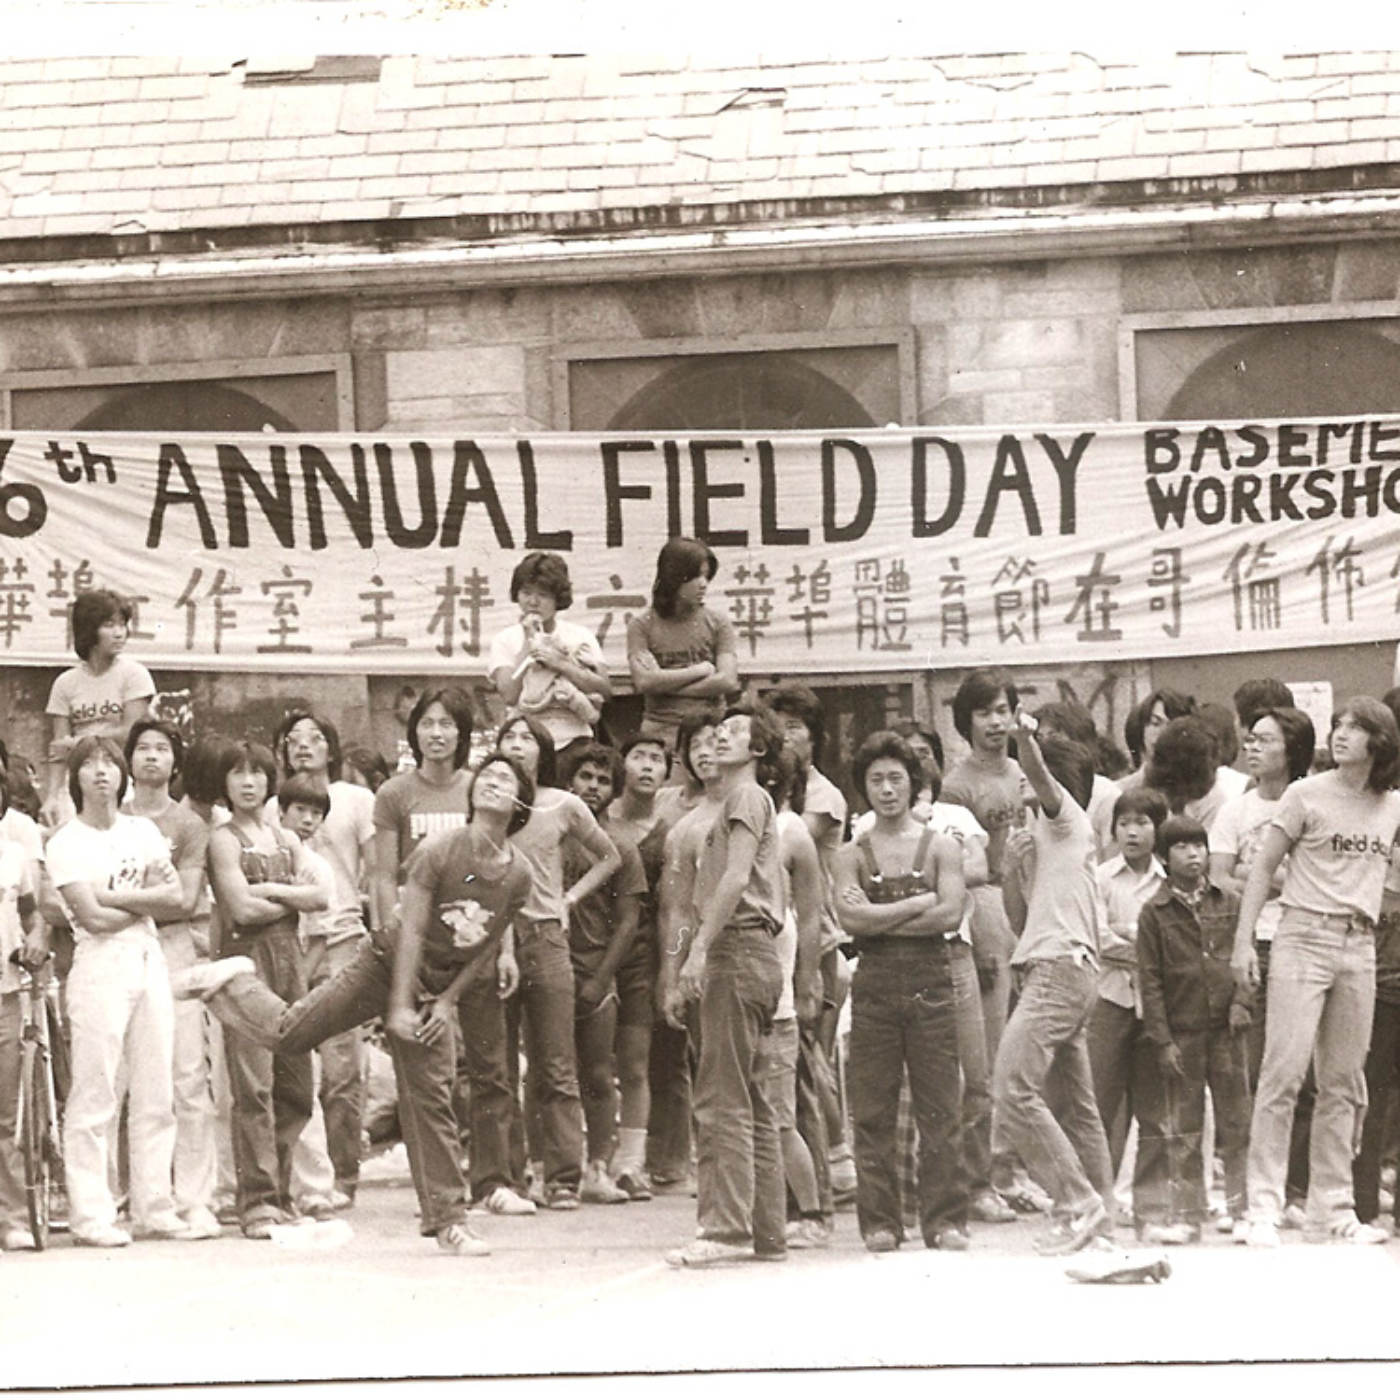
(1070, 976)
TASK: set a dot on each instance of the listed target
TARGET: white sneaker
(1295, 1217)
(165, 1226)
(701, 1254)
(17, 1237)
(102, 1237)
(1352, 1231)
(203, 1224)
(204, 979)
(599, 1189)
(459, 1239)
(1240, 1233)
(504, 1201)
(1262, 1234)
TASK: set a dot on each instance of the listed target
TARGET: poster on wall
(890, 550)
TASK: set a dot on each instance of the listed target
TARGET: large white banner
(889, 550)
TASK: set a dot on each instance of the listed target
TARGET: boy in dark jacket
(1196, 1017)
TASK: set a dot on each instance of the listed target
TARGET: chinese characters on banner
(887, 550)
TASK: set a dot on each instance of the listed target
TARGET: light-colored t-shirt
(93, 704)
(188, 841)
(111, 858)
(1341, 842)
(15, 883)
(556, 814)
(823, 796)
(676, 643)
(995, 796)
(1238, 832)
(1102, 801)
(24, 831)
(412, 808)
(1062, 910)
(340, 840)
(1206, 809)
(762, 903)
(564, 724)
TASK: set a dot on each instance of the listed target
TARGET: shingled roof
(99, 146)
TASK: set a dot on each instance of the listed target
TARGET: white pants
(119, 1004)
(196, 1160)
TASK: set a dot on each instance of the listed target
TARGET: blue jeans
(669, 1074)
(906, 1000)
(1123, 1064)
(740, 1185)
(423, 1073)
(1047, 1032)
(1322, 993)
(544, 1002)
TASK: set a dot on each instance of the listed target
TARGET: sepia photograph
(698, 698)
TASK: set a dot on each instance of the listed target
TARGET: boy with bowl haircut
(1127, 880)
(1195, 1016)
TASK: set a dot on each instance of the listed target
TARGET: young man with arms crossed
(1337, 829)
(901, 894)
(732, 969)
(154, 753)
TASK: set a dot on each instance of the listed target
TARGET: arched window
(187, 405)
(764, 391)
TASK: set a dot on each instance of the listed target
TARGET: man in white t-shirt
(309, 743)
(114, 878)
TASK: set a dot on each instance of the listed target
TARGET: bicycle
(36, 1118)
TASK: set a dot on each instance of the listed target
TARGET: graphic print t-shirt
(470, 909)
(93, 704)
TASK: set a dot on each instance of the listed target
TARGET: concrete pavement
(588, 1292)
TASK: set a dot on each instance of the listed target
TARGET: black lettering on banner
(859, 523)
(615, 492)
(1008, 474)
(1258, 439)
(36, 509)
(467, 456)
(1381, 434)
(1281, 502)
(705, 492)
(172, 460)
(1369, 488)
(1066, 469)
(770, 532)
(671, 455)
(276, 503)
(1292, 439)
(1156, 442)
(356, 505)
(1318, 485)
(421, 535)
(1244, 497)
(535, 538)
(1340, 431)
(957, 486)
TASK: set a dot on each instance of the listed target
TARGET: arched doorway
(186, 405)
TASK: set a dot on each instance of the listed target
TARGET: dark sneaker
(559, 1195)
(636, 1185)
(1070, 1233)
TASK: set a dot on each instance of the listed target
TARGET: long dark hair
(680, 560)
(546, 766)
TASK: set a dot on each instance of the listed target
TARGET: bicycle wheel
(38, 1166)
